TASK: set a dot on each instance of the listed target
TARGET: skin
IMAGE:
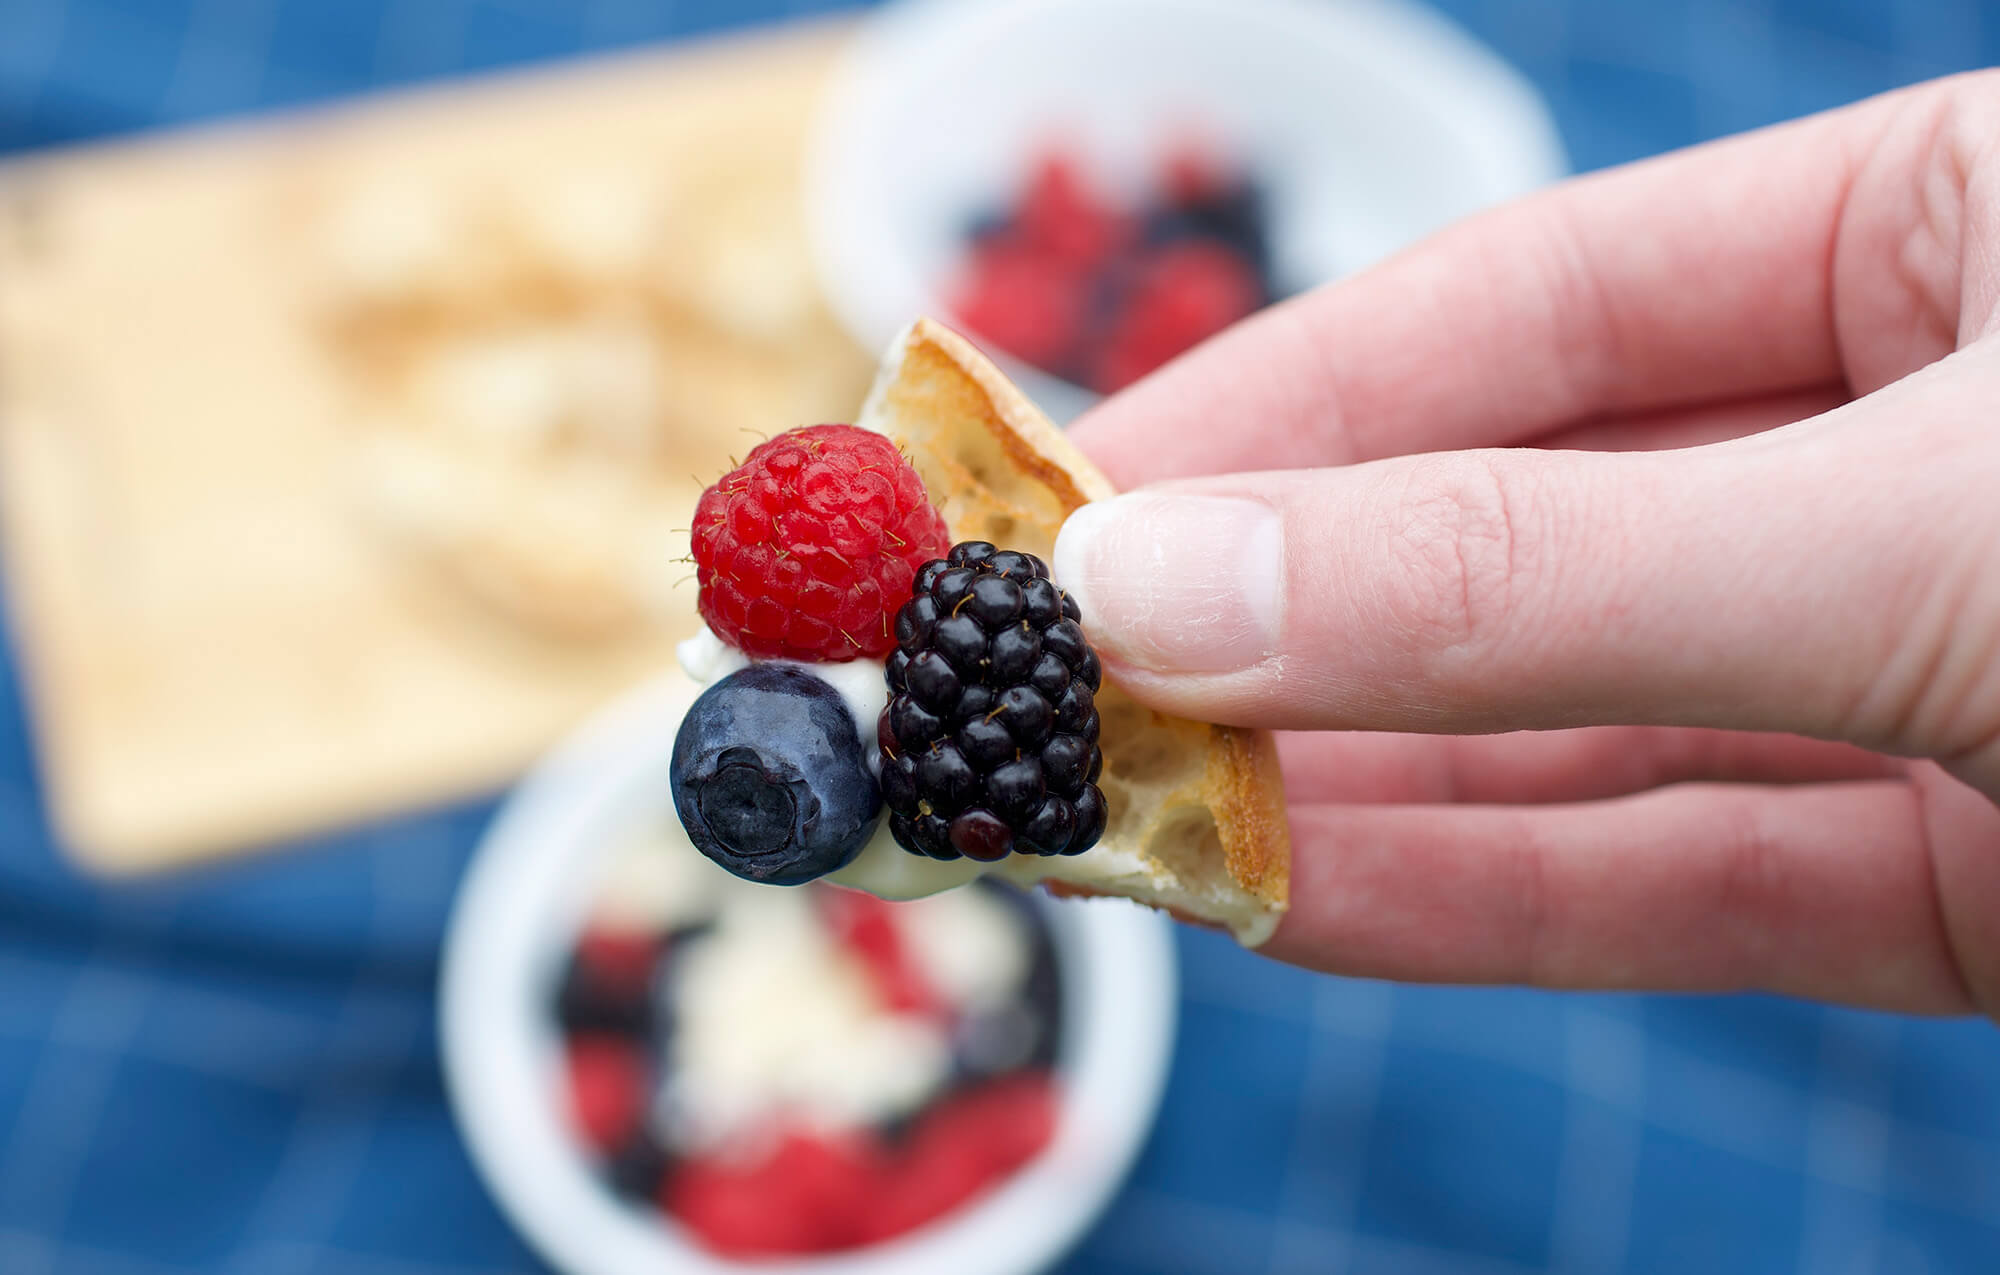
(1640, 608)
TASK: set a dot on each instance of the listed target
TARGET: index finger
(1701, 275)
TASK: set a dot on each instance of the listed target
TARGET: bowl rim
(516, 910)
(1447, 73)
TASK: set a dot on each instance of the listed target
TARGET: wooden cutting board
(223, 646)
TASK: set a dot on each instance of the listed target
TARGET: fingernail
(1175, 583)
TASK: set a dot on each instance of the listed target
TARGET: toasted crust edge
(1243, 776)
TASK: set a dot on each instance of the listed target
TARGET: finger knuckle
(1461, 549)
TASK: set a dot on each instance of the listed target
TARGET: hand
(1733, 514)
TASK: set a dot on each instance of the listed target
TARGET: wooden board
(223, 646)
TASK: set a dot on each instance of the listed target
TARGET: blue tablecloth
(238, 1072)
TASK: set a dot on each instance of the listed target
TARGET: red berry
(1193, 173)
(1187, 293)
(865, 924)
(1008, 1120)
(809, 1194)
(962, 1147)
(1023, 299)
(806, 549)
(618, 962)
(1063, 217)
(607, 1089)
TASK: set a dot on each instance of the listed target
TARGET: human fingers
(1826, 579)
(1698, 425)
(1527, 767)
(1579, 302)
(1824, 891)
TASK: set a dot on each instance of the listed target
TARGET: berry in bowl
(1339, 131)
(663, 1069)
(809, 1071)
(1069, 280)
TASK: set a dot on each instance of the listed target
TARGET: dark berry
(910, 723)
(769, 778)
(1026, 714)
(1088, 672)
(950, 588)
(1052, 677)
(1072, 706)
(1016, 566)
(1051, 828)
(933, 682)
(994, 601)
(982, 835)
(1012, 654)
(1065, 639)
(1091, 813)
(607, 986)
(991, 729)
(1014, 790)
(933, 835)
(1065, 764)
(913, 624)
(946, 779)
(985, 742)
(639, 1167)
(976, 701)
(1041, 604)
(960, 639)
(899, 783)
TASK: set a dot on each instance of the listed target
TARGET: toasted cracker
(1197, 811)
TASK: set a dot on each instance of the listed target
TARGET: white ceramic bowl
(519, 911)
(1370, 122)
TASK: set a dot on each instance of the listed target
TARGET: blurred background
(333, 488)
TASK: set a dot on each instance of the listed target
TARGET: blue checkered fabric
(237, 1072)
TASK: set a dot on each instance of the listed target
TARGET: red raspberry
(806, 549)
(810, 1194)
(963, 1146)
(1186, 294)
(1023, 299)
(1065, 217)
(607, 1088)
(1194, 172)
(619, 962)
(866, 925)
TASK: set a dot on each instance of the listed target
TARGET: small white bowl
(519, 911)
(1369, 122)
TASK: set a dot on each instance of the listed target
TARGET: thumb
(1782, 582)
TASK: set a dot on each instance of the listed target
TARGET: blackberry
(989, 739)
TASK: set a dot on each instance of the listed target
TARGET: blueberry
(769, 778)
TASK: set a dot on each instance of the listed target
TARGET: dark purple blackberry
(989, 740)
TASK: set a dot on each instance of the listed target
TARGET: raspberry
(866, 926)
(1063, 216)
(961, 1147)
(1024, 300)
(989, 739)
(803, 551)
(809, 1195)
(1191, 290)
(607, 1088)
